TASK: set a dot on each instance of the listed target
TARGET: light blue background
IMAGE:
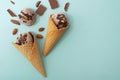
(89, 50)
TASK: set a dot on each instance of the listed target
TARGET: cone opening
(25, 38)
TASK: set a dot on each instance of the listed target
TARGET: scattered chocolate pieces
(41, 29)
(11, 13)
(38, 3)
(12, 2)
(15, 22)
(66, 6)
(39, 36)
(14, 31)
(41, 9)
(54, 4)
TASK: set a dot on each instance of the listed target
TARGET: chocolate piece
(15, 31)
(54, 4)
(12, 2)
(31, 36)
(38, 3)
(60, 20)
(66, 6)
(39, 36)
(15, 22)
(24, 38)
(41, 9)
(27, 16)
(41, 29)
(11, 13)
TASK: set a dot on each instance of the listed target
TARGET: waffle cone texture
(52, 36)
(31, 52)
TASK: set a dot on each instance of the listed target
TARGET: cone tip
(44, 53)
(44, 75)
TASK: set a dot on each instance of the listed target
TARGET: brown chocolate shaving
(14, 31)
(41, 29)
(12, 2)
(11, 13)
(15, 22)
(54, 4)
(38, 3)
(41, 9)
(39, 36)
(66, 6)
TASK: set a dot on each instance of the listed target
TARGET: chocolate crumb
(39, 36)
(66, 6)
(19, 16)
(25, 21)
(11, 13)
(41, 9)
(41, 29)
(12, 2)
(15, 22)
(14, 31)
(54, 4)
(38, 3)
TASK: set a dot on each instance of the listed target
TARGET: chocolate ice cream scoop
(24, 38)
(27, 16)
(60, 20)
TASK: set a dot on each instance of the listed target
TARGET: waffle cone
(52, 36)
(31, 52)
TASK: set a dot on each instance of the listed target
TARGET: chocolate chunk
(19, 16)
(31, 35)
(41, 29)
(15, 22)
(25, 21)
(14, 31)
(66, 6)
(11, 13)
(12, 2)
(54, 4)
(38, 3)
(41, 9)
(39, 36)
(27, 16)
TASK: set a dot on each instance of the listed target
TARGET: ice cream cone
(52, 36)
(31, 52)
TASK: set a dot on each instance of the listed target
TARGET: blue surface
(89, 50)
